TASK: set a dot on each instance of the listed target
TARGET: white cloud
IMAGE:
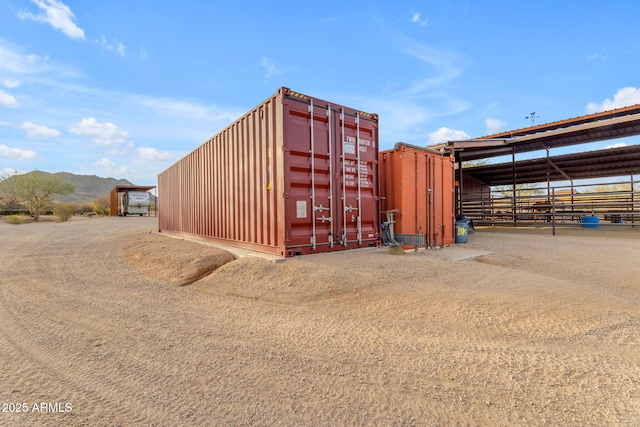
(13, 61)
(596, 57)
(104, 163)
(17, 153)
(109, 167)
(10, 83)
(408, 106)
(623, 98)
(118, 152)
(56, 14)
(270, 65)
(151, 154)
(7, 172)
(114, 46)
(439, 68)
(175, 108)
(100, 133)
(7, 100)
(494, 125)
(445, 66)
(616, 145)
(39, 131)
(445, 134)
(416, 18)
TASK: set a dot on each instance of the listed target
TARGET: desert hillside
(87, 187)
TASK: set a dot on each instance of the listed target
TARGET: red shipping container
(295, 175)
(419, 184)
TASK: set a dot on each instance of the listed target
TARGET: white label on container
(301, 209)
(349, 147)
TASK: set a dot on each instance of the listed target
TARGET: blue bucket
(469, 221)
(462, 228)
(590, 222)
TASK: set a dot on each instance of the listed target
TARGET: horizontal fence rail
(565, 205)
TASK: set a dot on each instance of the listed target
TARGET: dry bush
(14, 219)
(63, 212)
(102, 205)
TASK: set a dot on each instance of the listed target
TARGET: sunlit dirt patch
(173, 261)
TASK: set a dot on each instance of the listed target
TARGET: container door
(331, 161)
(309, 188)
(356, 186)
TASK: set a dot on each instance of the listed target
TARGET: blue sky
(123, 89)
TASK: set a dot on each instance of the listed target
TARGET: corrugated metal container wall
(295, 175)
(419, 183)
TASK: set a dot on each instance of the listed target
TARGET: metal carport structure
(113, 195)
(619, 123)
(613, 124)
(585, 165)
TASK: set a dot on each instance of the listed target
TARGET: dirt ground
(104, 323)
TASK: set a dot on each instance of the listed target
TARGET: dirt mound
(299, 280)
(174, 261)
(256, 278)
(182, 262)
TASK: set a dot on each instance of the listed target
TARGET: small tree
(34, 190)
(7, 195)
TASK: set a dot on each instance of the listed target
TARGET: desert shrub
(100, 209)
(14, 219)
(83, 208)
(63, 212)
(102, 205)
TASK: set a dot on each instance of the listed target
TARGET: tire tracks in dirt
(351, 338)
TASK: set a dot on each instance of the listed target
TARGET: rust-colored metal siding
(419, 183)
(295, 175)
(113, 202)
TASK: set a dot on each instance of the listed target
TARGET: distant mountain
(87, 187)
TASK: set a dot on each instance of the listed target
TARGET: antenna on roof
(532, 117)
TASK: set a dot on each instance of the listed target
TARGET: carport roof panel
(123, 188)
(618, 123)
(586, 165)
(609, 114)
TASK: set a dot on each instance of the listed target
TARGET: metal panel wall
(420, 184)
(295, 175)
